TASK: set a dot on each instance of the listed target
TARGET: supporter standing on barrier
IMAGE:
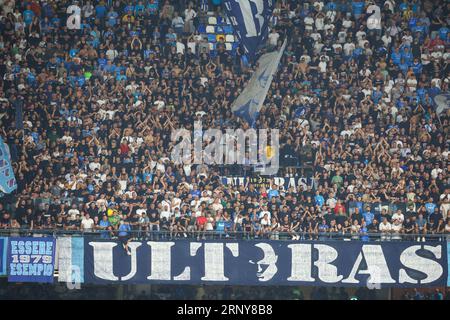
(124, 235)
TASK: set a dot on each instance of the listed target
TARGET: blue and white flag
(70, 259)
(251, 99)
(250, 20)
(442, 103)
(7, 179)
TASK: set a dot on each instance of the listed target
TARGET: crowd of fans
(354, 105)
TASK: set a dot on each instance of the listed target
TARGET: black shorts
(124, 239)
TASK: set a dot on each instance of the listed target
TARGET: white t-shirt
(323, 66)
(111, 54)
(273, 38)
(165, 214)
(308, 23)
(385, 227)
(189, 14)
(94, 165)
(87, 224)
(319, 23)
(180, 47)
(386, 40)
(73, 212)
(166, 203)
(348, 48)
(331, 202)
(346, 23)
(435, 172)
(396, 227)
(262, 213)
(217, 206)
(397, 216)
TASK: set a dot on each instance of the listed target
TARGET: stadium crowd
(91, 149)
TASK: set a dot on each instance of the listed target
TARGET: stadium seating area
(218, 29)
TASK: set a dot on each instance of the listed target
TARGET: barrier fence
(232, 235)
(212, 258)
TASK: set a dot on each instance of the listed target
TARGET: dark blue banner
(3, 247)
(259, 181)
(250, 20)
(334, 263)
(31, 259)
(19, 113)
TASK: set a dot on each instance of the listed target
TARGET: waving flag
(250, 19)
(250, 101)
(442, 102)
(7, 180)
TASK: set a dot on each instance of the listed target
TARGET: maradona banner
(340, 263)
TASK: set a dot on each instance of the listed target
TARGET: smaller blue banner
(3, 246)
(31, 259)
(448, 262)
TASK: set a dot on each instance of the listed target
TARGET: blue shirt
(430, 207)
(171, 38)
(364, 237)
(396, 57)
(121, 77)
(195, 193)
(129, 8)
(124, 229)
(220, 225)
(376, 96)
(420, 29)
(368, 217)
(412, 22)
(404, 67)
(104, 224)
(147, 177)
(421, 91)
(110, 68)
(112, 18)
(417, 68)
(100, 11)
(443, 33)
(73, 52)
(359, 205)
(81, 81)
(153, 7)
(331, 6)
(319, 200)
(358, 7)
(273, 193)
(139, 8)
(102, 62)
(403, 6)
(28, 17)
(357, 52)
(408, 57)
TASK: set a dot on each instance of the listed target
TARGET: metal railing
(230, 235)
